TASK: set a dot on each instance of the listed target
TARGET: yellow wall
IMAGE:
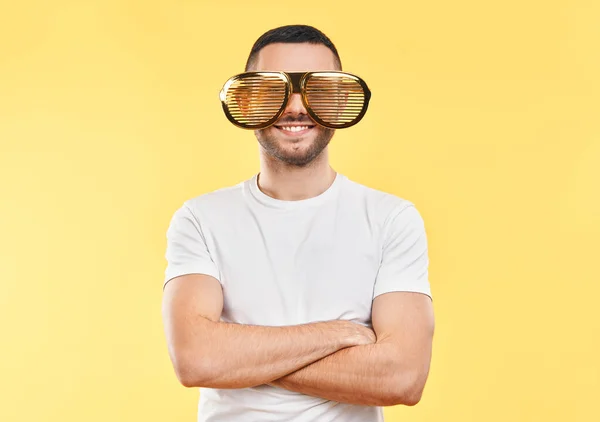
(485, 114)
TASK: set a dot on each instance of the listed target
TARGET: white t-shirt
(294, 262)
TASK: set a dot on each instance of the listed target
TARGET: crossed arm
(391, 371)
(336, 360)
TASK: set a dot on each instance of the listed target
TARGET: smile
(297, 130)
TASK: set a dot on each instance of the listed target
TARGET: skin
(208, 353)
(335, 360)
(295, 167)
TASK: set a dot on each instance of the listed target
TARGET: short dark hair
(291, 34)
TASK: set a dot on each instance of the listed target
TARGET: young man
(298, 295)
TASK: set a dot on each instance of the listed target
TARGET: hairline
(253, 59)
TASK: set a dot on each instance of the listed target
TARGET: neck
(287, 182)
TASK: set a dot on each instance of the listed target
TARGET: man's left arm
(394, 369)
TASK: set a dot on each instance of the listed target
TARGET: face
(295, 138)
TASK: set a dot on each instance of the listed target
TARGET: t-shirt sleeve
(187, 252)
(404, 264)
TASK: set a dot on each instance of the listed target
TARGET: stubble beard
(272, 144)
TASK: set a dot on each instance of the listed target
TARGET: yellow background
(484, 114)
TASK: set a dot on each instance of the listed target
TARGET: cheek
(264, 133)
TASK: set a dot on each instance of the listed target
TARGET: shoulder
(206, 209)
(386, 206)
(221, 200)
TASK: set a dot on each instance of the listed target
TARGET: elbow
(187, 377)
(406, 398)
(407, 391)
(192, 372)
(410, 398)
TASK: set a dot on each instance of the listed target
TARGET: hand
(359, 335)
(369, 336)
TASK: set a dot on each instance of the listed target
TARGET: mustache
(298, 119)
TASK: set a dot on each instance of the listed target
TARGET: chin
(295, 150)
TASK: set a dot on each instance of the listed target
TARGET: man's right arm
(208, 353)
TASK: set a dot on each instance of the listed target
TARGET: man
(297, 295)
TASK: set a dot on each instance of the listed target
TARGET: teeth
(294, 128)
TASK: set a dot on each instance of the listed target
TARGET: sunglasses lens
(253, 101)
(338, 99)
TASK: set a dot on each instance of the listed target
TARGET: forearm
(365, 375)
(239, 356)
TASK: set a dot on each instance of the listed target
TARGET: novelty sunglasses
(256, 100)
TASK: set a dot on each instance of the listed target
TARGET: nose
(295, 105)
